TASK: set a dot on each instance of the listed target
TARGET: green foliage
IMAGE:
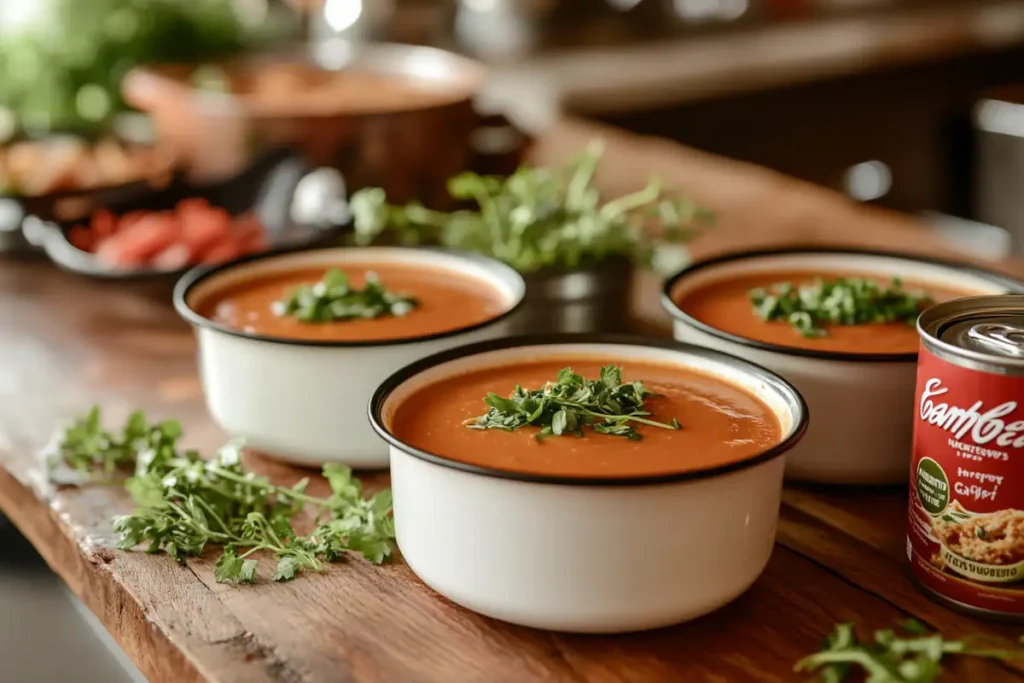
(63, 71)
(890, 658)
(334, 298)
(571, 403)
(185, 503)
(843, 301)
(537, 218)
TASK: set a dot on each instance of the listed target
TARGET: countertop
(69, 343)
(535, 89)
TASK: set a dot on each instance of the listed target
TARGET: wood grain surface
(68, 343)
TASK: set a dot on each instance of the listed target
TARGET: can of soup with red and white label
(966, 535)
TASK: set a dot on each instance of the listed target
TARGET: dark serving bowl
(410, 145)
(73, 203)
(81, 202)
(267, 189)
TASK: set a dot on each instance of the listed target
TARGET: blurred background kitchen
(909, 104)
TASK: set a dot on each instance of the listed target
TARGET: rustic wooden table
(67, 343)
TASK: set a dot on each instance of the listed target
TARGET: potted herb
(576, 252)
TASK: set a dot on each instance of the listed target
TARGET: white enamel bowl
(862, 403)
(305, 401)
(586, 555)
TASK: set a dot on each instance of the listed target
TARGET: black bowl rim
(773, 380)
(1012, 286)
(53, 197)
(200, 273)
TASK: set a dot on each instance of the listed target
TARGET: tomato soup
(447, 301)
(725, 305)
(721, 423)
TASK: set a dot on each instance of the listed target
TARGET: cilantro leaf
(890, 658)
(247, 574)
(186, 503)
(228, 566)
(538, 218)
(287, 567)
(333, 298)
(842, 301)
(570, 403)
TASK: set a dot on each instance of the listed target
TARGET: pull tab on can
(1007, 340)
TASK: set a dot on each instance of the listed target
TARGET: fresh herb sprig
(88, 448)
(891, 658)
(334, 298)
(570, 403)
(185, 503)
(540, 218)
(842, 301)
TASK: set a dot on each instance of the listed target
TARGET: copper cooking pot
(408, 142)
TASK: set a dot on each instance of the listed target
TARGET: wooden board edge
(151, 648)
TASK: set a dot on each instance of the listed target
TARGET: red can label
(966, 533)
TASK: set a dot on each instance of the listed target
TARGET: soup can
(965, 538)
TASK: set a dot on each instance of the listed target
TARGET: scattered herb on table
(88, 448)
(334, 298)
(891, 658)
(186, 503)
(843, 301)
(539, 218)
(569, 404)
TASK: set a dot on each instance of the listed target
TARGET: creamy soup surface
(725, 305)
(447, 301)
(721, 423)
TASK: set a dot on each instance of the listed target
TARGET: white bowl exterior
(580, 558)
(305, 403)
(583, 557)
(861, 412)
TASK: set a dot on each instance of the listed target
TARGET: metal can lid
(999, 335)
(988, 329)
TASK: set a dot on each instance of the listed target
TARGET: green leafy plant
(62, 69)
(567, 405)
(334, 298)
(891, 658)
(843, 301)
(537, 218)
(186, 503)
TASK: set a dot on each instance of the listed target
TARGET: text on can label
(983, 427)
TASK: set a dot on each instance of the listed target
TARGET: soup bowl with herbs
(587, 483)
(839, 325)
(291, 345)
